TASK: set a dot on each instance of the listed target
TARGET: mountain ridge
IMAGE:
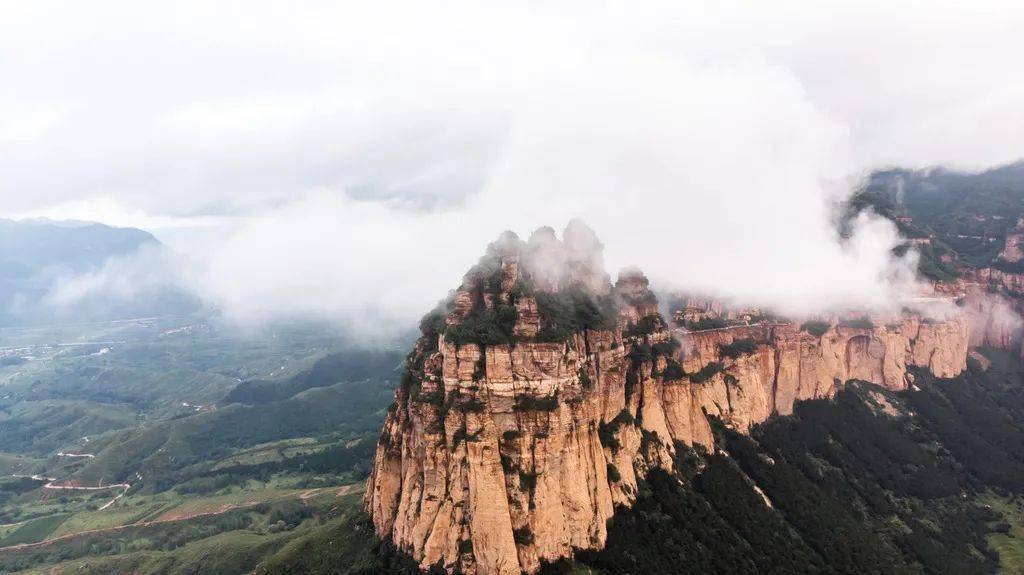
(541, 395)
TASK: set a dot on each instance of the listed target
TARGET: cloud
(124, 277)
(365, 153)
(149, 281)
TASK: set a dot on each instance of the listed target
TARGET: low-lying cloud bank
(355, 166)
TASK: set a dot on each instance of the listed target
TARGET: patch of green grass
(122, 513)
(34, 530)
(12, 464)
(1010, 545)
(231, 553)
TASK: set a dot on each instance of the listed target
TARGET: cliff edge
(540, 392)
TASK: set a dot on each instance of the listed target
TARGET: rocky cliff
(541, 392)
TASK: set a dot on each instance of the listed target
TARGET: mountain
(37, 257)
(548, 420)
(968, 229)
(959, 221)
(28, 247)
(542, 402)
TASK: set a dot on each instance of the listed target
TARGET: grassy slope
(235, 552)
(161, 450)
(1010, 546)
(345, 545)
(34, 530)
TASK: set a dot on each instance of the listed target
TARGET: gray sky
(354, 158)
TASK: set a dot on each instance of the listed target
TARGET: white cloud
(362, 154)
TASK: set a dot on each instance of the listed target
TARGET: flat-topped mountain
(540, 394)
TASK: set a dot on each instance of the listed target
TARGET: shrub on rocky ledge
(646, 326)
(613, 473)
(705, 323)
(523, 535)
(534, 403)
(673, 370)
(608, 430)
(815, 327)
(485, 327)
(706, 372)
(573, 310)
(738, 347)
(858, 323)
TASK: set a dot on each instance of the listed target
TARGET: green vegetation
(34, 530)
(1009, 267)
(857, 323)
(815, 327)
(583, 376)
(164, 369)
(164, 453)
(666, 348)
(714, 523)
(966, 216)
(493, 317)
(573, 310)
(613, 473)
(527, 480)
(706, 372)
(493, 314)
(673, 370)
(484, 327)
(646, 326)
(523, 535)
(1007, 537)
(433, 325)
(220, 541)
(607, 432)
(978, 418)
(738, 347)
(40, 426)
(344, 366)
(852, 490)
(640, 352)
(475, 405)
(533, 403)
(220, 436)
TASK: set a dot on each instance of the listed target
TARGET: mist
(351, 161)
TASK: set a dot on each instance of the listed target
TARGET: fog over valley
(710, 149)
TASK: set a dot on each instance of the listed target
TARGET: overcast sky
(354, 158)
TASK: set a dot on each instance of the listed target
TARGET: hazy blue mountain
(38, 255)
(28, 247)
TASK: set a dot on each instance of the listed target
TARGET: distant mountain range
(36, 255)
(30, 247)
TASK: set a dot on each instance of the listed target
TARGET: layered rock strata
(535, 401)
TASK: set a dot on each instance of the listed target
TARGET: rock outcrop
(992, 302)
(537, 398)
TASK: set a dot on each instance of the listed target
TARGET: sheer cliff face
(533, 403)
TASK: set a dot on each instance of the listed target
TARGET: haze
(352, 160)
